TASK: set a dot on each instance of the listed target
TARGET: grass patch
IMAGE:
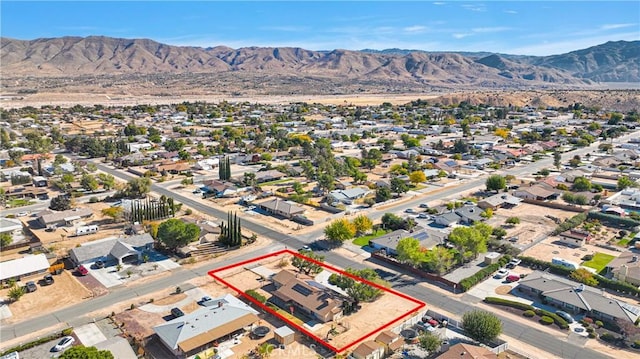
(624, 242)
(287, 315)
(364, 240)
(599, 261)
(19, 202)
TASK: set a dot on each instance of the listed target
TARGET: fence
(417, 272)
(554, 205)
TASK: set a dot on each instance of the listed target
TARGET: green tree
(430, 342)
(81, 352)
(439, 260)
(115, 213)
(481, 326)
(625, 182)
(581, 184)
(362, 224)
(383, 194)
(399, 186)
(5, 239)
(107, 180)
(340, 230)
(305, 266)
(512, 220)
(469, 241)
(59, 159)
(410, 251)
(358, 290)
(138, 187)
(499, 232)
(495, 183)
(557, 159)
(16, 292)
(89, 182)
(175, 233)
(584, 276)
(416, 177)
(60, 203)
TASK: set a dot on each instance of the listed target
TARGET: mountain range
(105, 56)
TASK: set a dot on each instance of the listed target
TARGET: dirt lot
(533, 223)
(65, 292)
(371, 316)
(550, 248)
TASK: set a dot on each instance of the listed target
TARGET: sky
(512, 27)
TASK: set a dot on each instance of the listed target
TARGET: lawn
(364, 240)
(599, 261)
(19, 203)
(280, 181)
(626, 240)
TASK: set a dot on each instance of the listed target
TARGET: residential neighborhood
(522, 214)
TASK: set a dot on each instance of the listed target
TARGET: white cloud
(510, 12)
(615, 26)
(475, 7)
(285, 28)
(460, 35)
(416, 29)
(439, 3)
(484, 30)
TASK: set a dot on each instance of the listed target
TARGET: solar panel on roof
(302, 290)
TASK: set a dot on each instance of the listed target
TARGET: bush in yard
(592, 335)
(556, 318)
(546, 320)
(590, 330)
(587, 320)
(608, 337)
(529, 313)
(599, 323)
(636, 344)
(481, 326)
(483, 274)
(508, 303)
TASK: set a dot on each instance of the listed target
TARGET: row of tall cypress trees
(224, 169)
(231, 232)
(151, 211)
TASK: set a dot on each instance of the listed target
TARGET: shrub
(93, 200)
(608, 337)
(556, 318)
(599, 323)
(592, 335)
(469, 282)
(588, 320)
(508, 303)
(636, 344)
(257, 296)
(590, 330)
(546, 320)
(188, 211)
(529, 313)
(67, 331)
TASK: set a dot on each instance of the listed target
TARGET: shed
(284, 335)
(491, 257)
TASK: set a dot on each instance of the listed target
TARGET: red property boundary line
(419, 304)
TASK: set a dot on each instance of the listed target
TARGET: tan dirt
(503, 289)
(174, 298)
(64, 292)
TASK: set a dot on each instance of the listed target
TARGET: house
(571, 175)
(613, 210)
(447, 219)
(310, 297)
(481, 163)
(431, 173)
(577, 298)
(346, 196)
(469, 214)
(500, 200)
(206, 327)
(268, 176)
(23, 267)
(172, 167)
(39, 181)
(48, 218)
(24, 191)
(625, 268)
(535, 192)
(121, 249)
(369, 350)
(575, 237)
(216, 187)
(390, 341)
(427, 237)
(467, 351)
(280, 207)
(12, 226)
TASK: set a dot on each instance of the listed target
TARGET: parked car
(502, 272)
(566, 316)
(513, 263)
(204, 299)
(424, 205)
(63, 344)
(305, 248)
(31, 287)
(22, 214)
(410, 210)
(176, 312)
(82, 270)
(424, 216)
(513, 278)
(99, 264)
(47, 280)
(51, 228)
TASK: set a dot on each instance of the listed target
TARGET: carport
(124, 253)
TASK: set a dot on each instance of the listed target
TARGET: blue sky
(515, 27)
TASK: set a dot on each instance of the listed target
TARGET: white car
(63, 344)
(502, 272)
(22, 214)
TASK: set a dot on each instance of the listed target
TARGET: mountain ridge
(108, 56)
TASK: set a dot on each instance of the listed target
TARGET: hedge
(570, 223)
(529, 313)
(556, 318)
(546, 320)
(483, 274)
(615, 221)
(257, 296)
(37, 342)
(508, 303)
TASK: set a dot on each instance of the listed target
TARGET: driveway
(110, 277)
(494, 287)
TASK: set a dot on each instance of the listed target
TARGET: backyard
(599, 261)
(364, 240)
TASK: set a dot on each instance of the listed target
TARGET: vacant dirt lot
(65, 292)
(550, 248)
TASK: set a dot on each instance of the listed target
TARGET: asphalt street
(76, 315)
